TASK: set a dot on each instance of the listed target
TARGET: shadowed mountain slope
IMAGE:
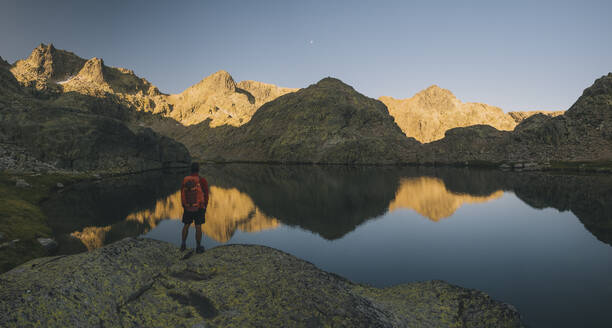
(328, 122)
(75, 130)
(582, 134)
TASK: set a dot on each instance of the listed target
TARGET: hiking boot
(183, 246)
(200, 249)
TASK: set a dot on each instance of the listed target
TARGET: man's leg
(199, 247)
(198, 234)
(184, 235)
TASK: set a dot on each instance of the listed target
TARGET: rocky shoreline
(148, 283)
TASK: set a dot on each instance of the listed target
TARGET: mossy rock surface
(21, 218)
(148, 283)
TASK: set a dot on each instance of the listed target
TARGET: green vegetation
(597, 166)
(21, 217)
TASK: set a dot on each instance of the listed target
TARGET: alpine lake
(541, 241)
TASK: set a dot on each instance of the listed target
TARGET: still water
(539, 241)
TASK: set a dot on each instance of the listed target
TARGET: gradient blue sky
(517, 55)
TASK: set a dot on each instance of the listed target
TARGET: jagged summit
(59, 73)
(219, 98)
(45, 66)
(436, 90)
(92, 71)
(218, 81)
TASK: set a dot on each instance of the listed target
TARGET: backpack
(193, 196)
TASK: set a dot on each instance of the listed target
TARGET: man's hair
(195, 167)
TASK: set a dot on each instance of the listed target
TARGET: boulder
(48, 243)
(146, 283)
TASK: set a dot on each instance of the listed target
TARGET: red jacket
(203, 185)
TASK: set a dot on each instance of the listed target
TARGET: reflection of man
(194, 196)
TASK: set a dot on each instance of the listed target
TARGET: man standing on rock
(194, 196)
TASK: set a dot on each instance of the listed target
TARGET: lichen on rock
(148, 283)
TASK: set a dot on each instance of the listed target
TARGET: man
(194, 196)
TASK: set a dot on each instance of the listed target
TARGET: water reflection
(429, 197)
(329, 201)
(228, 210)
(534, 259)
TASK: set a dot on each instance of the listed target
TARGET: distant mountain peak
(218, 81)
(334, 83)
(435, 91)
(432, 111)
(93, 70)
(46, 65)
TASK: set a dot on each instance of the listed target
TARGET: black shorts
(197, 216)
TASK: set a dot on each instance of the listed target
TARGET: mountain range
(328, 122)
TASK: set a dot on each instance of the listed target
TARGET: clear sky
(517, 55)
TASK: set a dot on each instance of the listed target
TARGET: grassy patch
(21, 217)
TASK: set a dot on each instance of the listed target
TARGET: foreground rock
(147, 283)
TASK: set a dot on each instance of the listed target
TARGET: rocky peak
(437, 97)
(595, 100)
(92, 71)
(42, 59)
(220, 81)
(45, 66)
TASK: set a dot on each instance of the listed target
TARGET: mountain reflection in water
(328, 201)
(484, 229)
(228, 210)
(430, 198)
